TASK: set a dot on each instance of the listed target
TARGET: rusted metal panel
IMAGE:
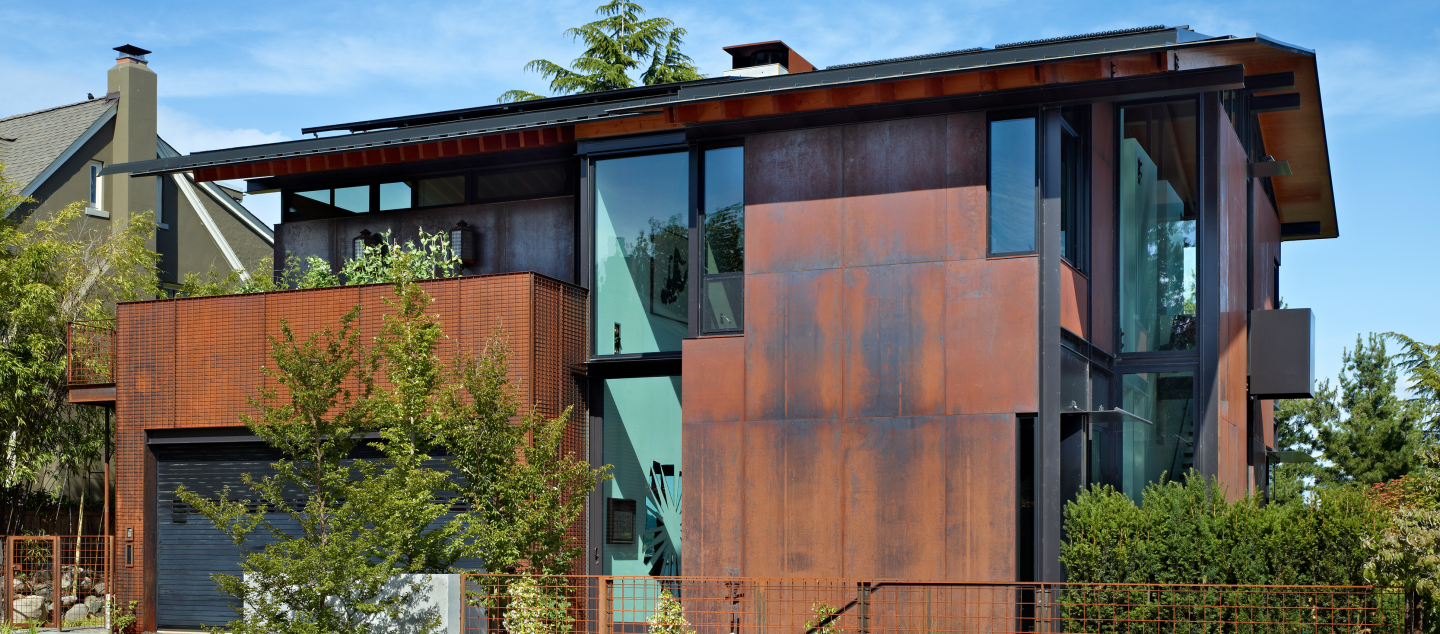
(980, 504)
(991, 341)
(1102, 228)
(714, 500)
(93, 395)
(792, 209)
(713, 376)
(218, 358)
(965, 181)
(814, 464)
(895, 228)
(894, 340)
(793, 345)
(894, 477)
(1074, 301)
(1234, 453)
(763, 536)
(887, 157)
(1266, 295)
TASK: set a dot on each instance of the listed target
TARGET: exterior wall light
(462, 243)
(365, 239)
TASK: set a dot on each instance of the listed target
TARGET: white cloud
(1357, 78)
(188, 134)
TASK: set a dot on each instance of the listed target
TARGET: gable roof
(43, 137)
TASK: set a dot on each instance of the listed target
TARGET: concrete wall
(865, 423)
(529, 235)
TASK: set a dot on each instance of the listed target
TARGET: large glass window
(1129, 454)
(1159, 202)
(1074, 195)
(1012, 185)
(642, 443)
(641, 253)
(723, 219)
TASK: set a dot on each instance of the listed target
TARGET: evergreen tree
(615, 45)
(1370, 434)
(1421, 362)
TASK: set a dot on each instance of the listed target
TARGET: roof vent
(132, 53)
(763, 59)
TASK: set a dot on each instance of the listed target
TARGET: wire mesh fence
(90, 349)
(680, 605)
(55, 581)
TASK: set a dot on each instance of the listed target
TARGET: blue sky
(255, 72)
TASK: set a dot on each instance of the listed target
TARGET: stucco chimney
(132, 81)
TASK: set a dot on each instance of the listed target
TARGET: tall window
(1012, 185)
(1074, 194)
(641, 263)
(96, 184)
(1159, 202)
(642, 443)
(723, 228)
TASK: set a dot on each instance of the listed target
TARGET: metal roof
(600, 106)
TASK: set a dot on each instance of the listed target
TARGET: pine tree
(1378, 437)
(615, 45)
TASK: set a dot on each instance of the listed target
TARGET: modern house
(874, 320)
(57, 156)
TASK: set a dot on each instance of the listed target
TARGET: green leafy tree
(1421, 362)
(1407, 552)
(619, 43)
(1375, 435)
(55, 270)
(1295, 420)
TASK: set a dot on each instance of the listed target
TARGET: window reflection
(641, 253)
(1158, 208)
(449, 190)
(353, 199)
(1012, 185)
(1129, 454)
(394, 196)
(723, 220)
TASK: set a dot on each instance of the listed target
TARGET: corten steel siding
(1102, 227)
(193, 363)
(528, 235)
(865, 423)
(1266, 295)
(1234, 397)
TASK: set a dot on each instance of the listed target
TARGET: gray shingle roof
(41, 136)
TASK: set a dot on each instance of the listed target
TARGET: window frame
(97, 185)
(1084, 189)
(991, 117)
(1158, 358)
(699, 277)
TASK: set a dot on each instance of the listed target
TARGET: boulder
(95, 604)
(31, 608)
(100, 587)
(77, 614)
(66, 579)
(69, 600)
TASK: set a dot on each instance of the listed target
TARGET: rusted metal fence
(55, 581)
(643, 605)
(90, 350)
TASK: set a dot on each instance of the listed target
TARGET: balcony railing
(90, 353)
(738, 605)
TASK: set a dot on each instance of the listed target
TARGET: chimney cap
(740, 54)
(131, 51)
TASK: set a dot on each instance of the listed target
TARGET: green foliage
(533, 607)
(1186, 532)
(669, 616)
(615, 45)
(55, 270)
(1407, 552)
(825, 619)
(1378, 438)
(1422, 363)
(392, 263)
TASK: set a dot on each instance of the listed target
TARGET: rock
(100, 587)
(77, 614)
(95, 604)
(30, 608)
(66, 579)
(69, 600)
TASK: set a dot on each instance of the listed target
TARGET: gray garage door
(190, 548)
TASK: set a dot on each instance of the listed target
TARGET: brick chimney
(132, 81)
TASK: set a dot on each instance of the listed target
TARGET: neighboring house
(57, 155)
(876, 318)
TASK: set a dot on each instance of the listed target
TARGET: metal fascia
(367, 140)
(164, 149)
(915, 69)
(69, 152)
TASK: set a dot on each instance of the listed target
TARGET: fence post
(55, 583)
(6, 558)
(864, 600)
(607, 603)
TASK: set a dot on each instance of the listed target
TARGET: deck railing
(738, 605)
(90, 352)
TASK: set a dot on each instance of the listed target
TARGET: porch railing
(90, 352)
(634, 605)
(60, 581)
